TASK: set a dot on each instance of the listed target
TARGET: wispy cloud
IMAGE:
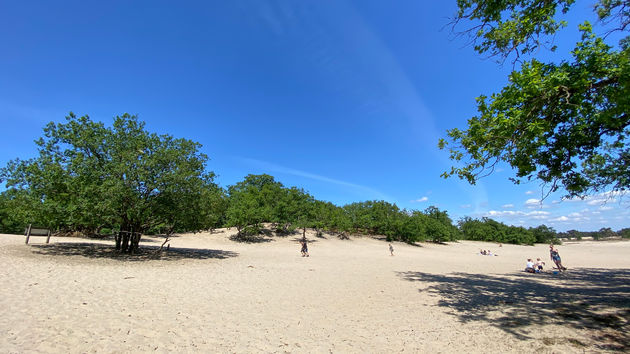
(507, 206)
(367, 192)
(420, 200)
(538, 214)
(529, 192)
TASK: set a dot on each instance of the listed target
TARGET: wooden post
(28, 233)
(48, 238)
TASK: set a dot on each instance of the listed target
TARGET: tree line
(93, 179)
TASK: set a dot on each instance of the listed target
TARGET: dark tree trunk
(125, 241)
(118, 238)
(135, 242)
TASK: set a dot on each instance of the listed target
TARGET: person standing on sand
(304, 248)
(391, 250)
(555, 257)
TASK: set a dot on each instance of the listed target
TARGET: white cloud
(599, 201)
(423, 199)
(537, 214)
(529, 192)
(605, 208)
(466, 206)
(561, 218)
(507, 206)
(497, 213)
(532, 202)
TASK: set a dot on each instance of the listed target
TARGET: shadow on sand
(597, 300)
(107, 251)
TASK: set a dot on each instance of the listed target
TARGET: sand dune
(210, 294)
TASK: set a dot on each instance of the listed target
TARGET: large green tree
(564, 123)
(252, 202)
(88, 176)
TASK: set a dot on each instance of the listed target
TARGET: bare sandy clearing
(210, 294)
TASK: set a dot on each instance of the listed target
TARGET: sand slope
(210, 294)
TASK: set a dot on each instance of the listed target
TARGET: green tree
(88, 176)
(252, 202)
(414, 227)
(15, 211)
(544, 234)
(443, 230)
(565, 124)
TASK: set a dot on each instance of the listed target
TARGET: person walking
(304, 249)
(391, 250)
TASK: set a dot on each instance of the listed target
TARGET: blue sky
(346, 99)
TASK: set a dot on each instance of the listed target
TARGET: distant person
(391, 250)
(304, 249)
(539, 265)
(555, 257)
(529, 266)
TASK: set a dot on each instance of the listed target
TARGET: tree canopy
(565, 124)
(88, 176)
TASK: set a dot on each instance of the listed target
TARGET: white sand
(210, 294)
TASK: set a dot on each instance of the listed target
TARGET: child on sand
(391, 249)
(304, 249)
(539, 265)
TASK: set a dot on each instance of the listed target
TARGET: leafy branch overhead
(563, 124)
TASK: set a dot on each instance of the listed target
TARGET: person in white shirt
(529, 267)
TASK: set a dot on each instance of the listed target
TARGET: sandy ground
(210, 294)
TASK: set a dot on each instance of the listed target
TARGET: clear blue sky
(346, 99)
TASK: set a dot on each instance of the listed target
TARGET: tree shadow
(308, 240)
(597, 300)
(145, 253)
(250, 238)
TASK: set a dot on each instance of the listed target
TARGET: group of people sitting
(537, 267)
(532, 267)
(486, 253)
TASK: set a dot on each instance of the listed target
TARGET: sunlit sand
(211, 294)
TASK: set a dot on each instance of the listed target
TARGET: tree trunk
(125, 241)
(135, 242)
(118, 238)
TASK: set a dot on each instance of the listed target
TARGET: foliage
(493, 231)
(253, 202)
(15, 211)
(564, 124)
(88, 176)
(91, 178)
(544, 234)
